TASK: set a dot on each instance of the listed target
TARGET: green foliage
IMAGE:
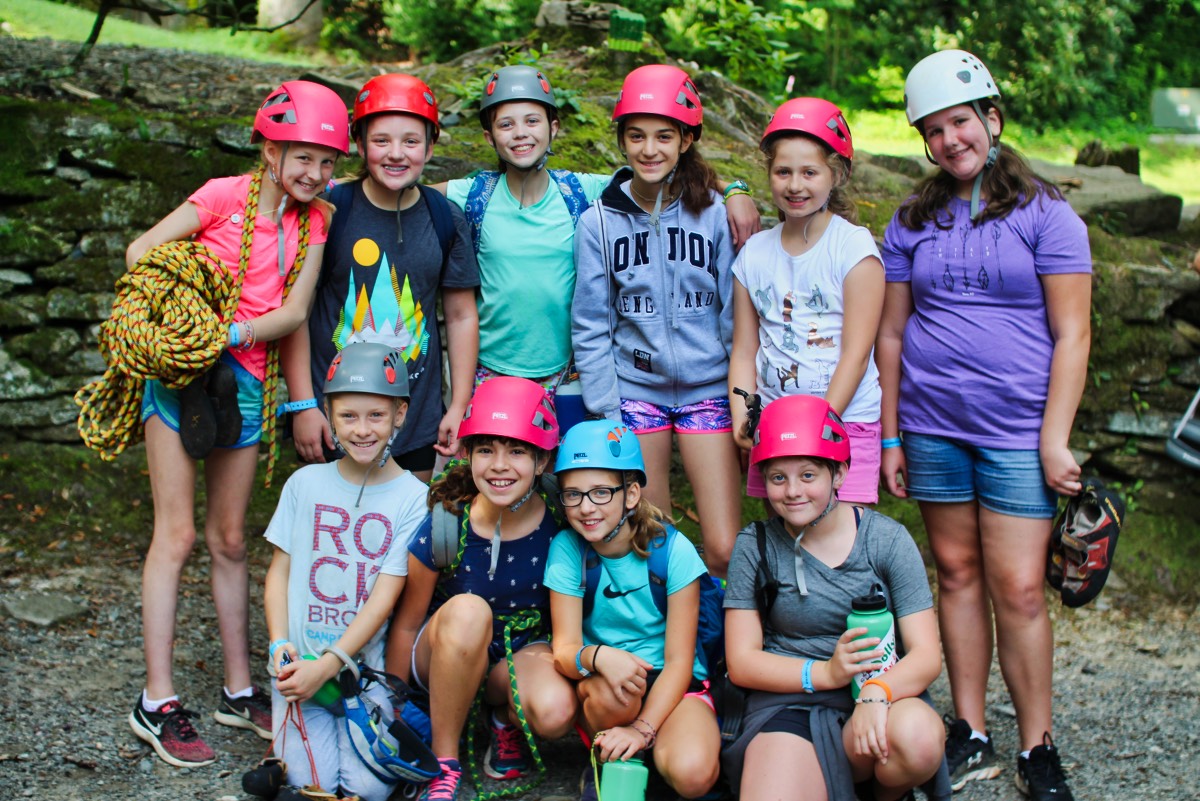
(356, 30)
(438, 30)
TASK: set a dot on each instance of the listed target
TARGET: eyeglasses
(597, 495)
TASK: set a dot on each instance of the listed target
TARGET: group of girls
(955, 362)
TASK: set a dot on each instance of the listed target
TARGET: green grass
(1168, 166)
(31, 19)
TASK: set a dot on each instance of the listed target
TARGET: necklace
(667, 198)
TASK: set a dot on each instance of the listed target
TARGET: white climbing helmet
(945, 79)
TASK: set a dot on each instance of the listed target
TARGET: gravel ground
(1125, 697)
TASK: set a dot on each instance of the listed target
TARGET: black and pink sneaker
(171, 734)
(251, 712)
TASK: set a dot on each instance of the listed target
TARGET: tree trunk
(306, 30)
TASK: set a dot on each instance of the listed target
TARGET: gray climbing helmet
(368, 368)
(514, 84)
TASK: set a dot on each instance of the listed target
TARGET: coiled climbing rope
(169, 322)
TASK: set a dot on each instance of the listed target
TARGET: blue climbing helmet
(601, 445)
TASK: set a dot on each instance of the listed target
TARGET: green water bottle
(871, 612)
(330, 694)
(624, 781)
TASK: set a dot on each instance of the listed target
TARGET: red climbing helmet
(303, 111)
(516, 408)
(396, 93)
(800, 425)
(813, 116)
(662, 90)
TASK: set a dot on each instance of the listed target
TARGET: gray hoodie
(652, 318)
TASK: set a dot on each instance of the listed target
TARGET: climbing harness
(169, 322)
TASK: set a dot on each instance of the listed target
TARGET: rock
(19, 381)
(67, 304)
(1185, 329)
(1146, 425)
(42, 609)
(574, 14)
(235, 139)
(24, 244)
(1095, 154)
(910, 166)
(1146, 291)
(20, 312)
(1113, 199)
(49, 348)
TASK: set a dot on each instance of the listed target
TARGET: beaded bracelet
(650, 738)
(890, 442)
(883, 701)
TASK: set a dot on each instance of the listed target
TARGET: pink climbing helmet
(816, 117)
(516, 408)
(800, 425)
(662, 90)
(303, 111)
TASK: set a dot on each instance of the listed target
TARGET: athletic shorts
(496, 652)
(698, 688)
(417, 459)
(705, 417)
(550, 383)
(862, 482)
(1009, 482)
(163, 402)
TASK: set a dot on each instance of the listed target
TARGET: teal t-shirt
(527, 278)
(624, 615)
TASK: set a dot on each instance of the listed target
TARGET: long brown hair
(1009, 185)
(839, 198)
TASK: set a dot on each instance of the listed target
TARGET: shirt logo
(609, 592)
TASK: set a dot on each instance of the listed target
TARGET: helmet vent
(964, 76)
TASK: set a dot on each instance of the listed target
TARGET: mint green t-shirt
(527, 278)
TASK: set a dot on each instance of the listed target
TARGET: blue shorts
(1009, 482)
(705, 417)
(163, 402)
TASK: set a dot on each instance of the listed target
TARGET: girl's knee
(464, 621)
(553, 713)
(691, 769)
(173, 547)
(916, 736)
(226, 543)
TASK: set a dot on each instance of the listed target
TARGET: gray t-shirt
(809, 626)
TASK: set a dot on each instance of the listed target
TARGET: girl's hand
(893, 468)
(851, 655)
(1061, 470)
(447, 442)
(619, 743)
(300, 680)
(625, 673)
(292, 654)
(868, 729)
(310, 430)
(741, 430)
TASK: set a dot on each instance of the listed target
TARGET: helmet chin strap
(384, 455)
(278, 213)
(992, 155)
(657, 211)
(496, 534)
(620, 523)
(798, 552)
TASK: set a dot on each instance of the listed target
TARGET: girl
(652, 325)
(340, 534)
(786, 639)
(523, 218)
(640, 681)
(808, 294)
(451, 625)
(983, 352)
(303, 128)
(387, 265)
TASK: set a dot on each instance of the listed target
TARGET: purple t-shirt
(977, 348)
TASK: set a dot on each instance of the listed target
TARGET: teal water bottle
(871, 612)
(624, 781)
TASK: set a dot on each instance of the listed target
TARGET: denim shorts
(1009, 482)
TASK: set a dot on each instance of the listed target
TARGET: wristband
(273, 647)
(806, 677)
(345, 660)
(579, 663)
(883, 701)
(736, 187)
(881, 684)
(596, 654)
(235, 335)
(890, 442)
(298, 406)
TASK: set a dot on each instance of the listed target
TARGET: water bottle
(330, 694)
(624, 781)
(871, 612)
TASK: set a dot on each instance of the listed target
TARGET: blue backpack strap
(478, 198)
(589, 575)
(443, 220)
(572, 193)
(657, 565)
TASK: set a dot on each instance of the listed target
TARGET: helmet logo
(614, 440)
(580, 456)
(797, 117)
(499, 415)
(787, 435)
(357, 379)
(326, 127)
(646, 96)
(963, 75)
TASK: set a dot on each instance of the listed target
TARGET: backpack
(710, 634)
(342, 196)
(447, 526)
(484, 184)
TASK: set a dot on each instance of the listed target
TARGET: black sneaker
(171, 734)
(252, 712)
(220, 383)
(967, 758)
(1041, 776)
